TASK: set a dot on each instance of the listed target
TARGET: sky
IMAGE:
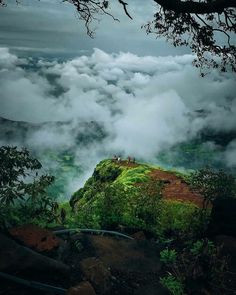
(52, 27)
(146, 95)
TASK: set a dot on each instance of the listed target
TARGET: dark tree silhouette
(208, 27)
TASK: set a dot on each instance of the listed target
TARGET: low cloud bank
(141, 105)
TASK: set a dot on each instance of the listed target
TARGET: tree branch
(125, 9)
(180, 6)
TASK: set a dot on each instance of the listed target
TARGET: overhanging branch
(179, 6)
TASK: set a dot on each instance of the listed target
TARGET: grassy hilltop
(136, 196)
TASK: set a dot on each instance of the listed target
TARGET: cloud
(230, 154)
(142, 105)
(52, 27)
(7, 60)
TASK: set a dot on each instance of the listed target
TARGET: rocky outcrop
(34, 237)
(97, 273)
(14, 257)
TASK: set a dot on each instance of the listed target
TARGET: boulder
(127, 256)
(35, 237)
(97, 274)
(84, 288)
(14, 257)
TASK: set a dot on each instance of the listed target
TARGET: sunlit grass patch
(130, 176)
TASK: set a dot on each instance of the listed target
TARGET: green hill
(133, 195)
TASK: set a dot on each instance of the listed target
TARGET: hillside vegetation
(137, 196)
(168, 232)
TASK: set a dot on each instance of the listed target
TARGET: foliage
(23, 192)
(145, 207)
(111, 205)
(198, 29)
(213, 184)
(201, 265)
(172, 284)
(181, 220)
(133, 199)
(130, 176)
(168, 256)
(106, 172)
(14, 164)
(108, 201)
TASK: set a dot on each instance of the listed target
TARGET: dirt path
(175, 188)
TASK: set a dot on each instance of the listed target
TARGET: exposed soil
(35, 237)
(176, 188)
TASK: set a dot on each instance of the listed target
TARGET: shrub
(213, 184)
(180, 220)
(145, 207)
(106, 173)
(198, 266)
(111, 205)
(23, 192)
(172, 284)
(168, 256)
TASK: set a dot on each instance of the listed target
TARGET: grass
(130, 176)
(139, 209)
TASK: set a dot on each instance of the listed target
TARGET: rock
(34, 237)
(14, 257)
(84, 288)
(127, 256)
(94, 271)
(139, 236)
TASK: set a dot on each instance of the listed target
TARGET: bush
(111, 205)
(181, 220)
(145, 207)
(199, 266)
(23, 193)
(213, 184)
(108, 173)
(168, 256)
(172, 284)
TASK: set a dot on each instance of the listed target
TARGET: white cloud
(146, 104)
(6, 59)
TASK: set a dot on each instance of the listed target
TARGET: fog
(102, 104)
